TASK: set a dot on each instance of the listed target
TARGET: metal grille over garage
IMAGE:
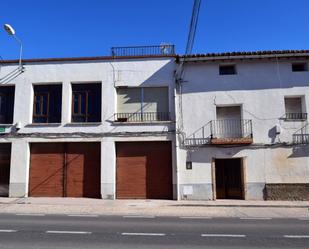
(144, 170)
(65, 170)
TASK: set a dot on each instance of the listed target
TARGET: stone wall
(291, 192)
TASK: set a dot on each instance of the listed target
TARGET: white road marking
(83, 215)
(255, 218)
(143, 234)
(139, 216)
(195, 217)
(296, 236)
(7, 231)
(69, 232)
(224, 235)
(303, 218)
(30, 214)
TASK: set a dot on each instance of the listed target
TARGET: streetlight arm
(21, 49)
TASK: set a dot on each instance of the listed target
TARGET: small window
(294, 108)
(299, 67)
(47, 104)
(86, 103)
(227, 69)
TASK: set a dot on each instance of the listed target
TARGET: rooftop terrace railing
(164, 49)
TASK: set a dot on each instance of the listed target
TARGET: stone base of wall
(287, 192)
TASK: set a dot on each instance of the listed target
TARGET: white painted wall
(259, 87)
(113, 73)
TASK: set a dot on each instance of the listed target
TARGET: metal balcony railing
(220, 132)
(302, 135)
(142, 117)
(164, 49)
(231, 128)
(296, 116)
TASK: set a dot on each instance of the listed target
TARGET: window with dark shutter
(299, 67)
(227, 69)
(6, 104)
(86, 103)
(47, 104)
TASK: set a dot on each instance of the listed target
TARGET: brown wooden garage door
(65, 170)
(5, 158)
(144, 170)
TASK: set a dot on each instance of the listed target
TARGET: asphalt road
(63, 231)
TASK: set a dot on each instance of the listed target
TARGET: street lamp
(9, 29)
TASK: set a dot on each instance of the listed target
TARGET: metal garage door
(65, 170)
(5, 158)
(144, 170)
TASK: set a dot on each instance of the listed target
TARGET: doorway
(229, 178)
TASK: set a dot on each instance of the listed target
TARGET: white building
(120, 127)
(74, 127)
(242, 126)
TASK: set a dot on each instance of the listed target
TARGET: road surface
(26, 231)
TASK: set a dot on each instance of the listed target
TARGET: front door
(229, 178)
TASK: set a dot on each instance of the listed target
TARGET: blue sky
(73, 28)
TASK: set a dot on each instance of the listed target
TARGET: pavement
(46, 231)
(168, 208)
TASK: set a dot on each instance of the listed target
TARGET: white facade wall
(111, 74)
(259, 87)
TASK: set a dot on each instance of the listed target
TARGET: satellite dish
(8, 28)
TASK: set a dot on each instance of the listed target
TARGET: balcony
(295, 116)
(140, 117)
(231, 131)
(302, 135)
(222, 132)
(160, 50)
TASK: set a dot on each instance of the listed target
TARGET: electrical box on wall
(188, 165)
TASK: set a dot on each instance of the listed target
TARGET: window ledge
(43, 125)
(83, 124)
(6, 125)
(294, 120)
(143, 123)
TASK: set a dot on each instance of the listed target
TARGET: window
(47, 103)
(86, 102)
(228, 123)
(142, 104)
(294, 108)
(227, 69)
(299, 67)
(6, 104)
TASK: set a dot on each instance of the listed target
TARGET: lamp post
(9, 29)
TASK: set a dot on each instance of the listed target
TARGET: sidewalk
(220, 208)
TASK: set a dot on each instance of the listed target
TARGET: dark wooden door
(65, 170)
(5, 159)
(46, 170)
(144, 170)
(228, 179)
